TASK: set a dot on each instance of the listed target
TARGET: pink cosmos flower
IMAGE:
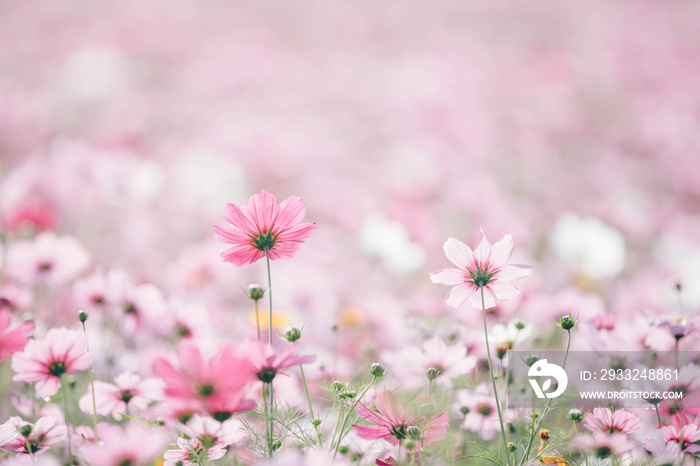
(266, 362)
(605, 420)
(33, 438)
(264, 226)
(392, 422)
(128, 395)
(135, 444)
(205, 384)
(602, 445)
(8, 433)
(687, 436)
(12, 340)
(47, 258)
(62, 351)
(485, 267)
(190, 452)
(211, 432)
(479, 410)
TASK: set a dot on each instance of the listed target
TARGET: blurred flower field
(376, 188)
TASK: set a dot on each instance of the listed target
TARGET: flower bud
(532, 360)
(410, 445)
(432, 373)
(377, 369)
(343, 449)
(519, 325)
(512, 446)
(544, 436)
(413, 432)
(575, 415)
(501, 351)
(255, 292)
(566, 322)
(82, 316)
(427, 410)
(292, 334)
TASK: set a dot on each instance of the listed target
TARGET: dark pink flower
(12, 339)
(61, 352)
(264, 226)
(392, 422)
(266, 362)
(207, 384)
(485, 267)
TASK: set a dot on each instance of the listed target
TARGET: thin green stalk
(92, 388)
(347, 415)
(267, 410)
(257, 319)
(65, 388)
(493, 379)
(546, 408)
(311, 408)
(658, 416)
(271, 401)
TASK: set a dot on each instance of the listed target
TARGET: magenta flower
(12, 339)
(484, 267)
(605, 420)
(62, 351)
(205, 384)
(267, 363)
(264, 226)
(392, 422)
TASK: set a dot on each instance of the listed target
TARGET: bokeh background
(129, 125)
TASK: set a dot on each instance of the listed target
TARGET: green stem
(341, 434)
(257, 320)
(92, 388)
(658, 416)
(65, 388)
(269, 325)
(493, 379)
(311, 409)
(546, 408)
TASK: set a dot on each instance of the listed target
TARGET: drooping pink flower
(485, 267)
(204, 384)
(135, 444)
(605, 420)
(61, 352)
(266, 362)
(392, 422)
(128, 395)
(12, 339)
(33, 438)
(264, 226)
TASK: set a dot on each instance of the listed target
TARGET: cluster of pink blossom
(133, 333)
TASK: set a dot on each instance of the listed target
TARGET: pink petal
(231, 236)
(242, 255)
(513, 272)
(489, 299)
(502, 290)
(482, 251)
(372, 416)
(371, 432)
(48, 386)
(387, 405)
(449, 277)
(461, 293)
(298, 233)
(459, 253)
(263, 210)
(239, 219)
(291, 212)
(501, 251)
